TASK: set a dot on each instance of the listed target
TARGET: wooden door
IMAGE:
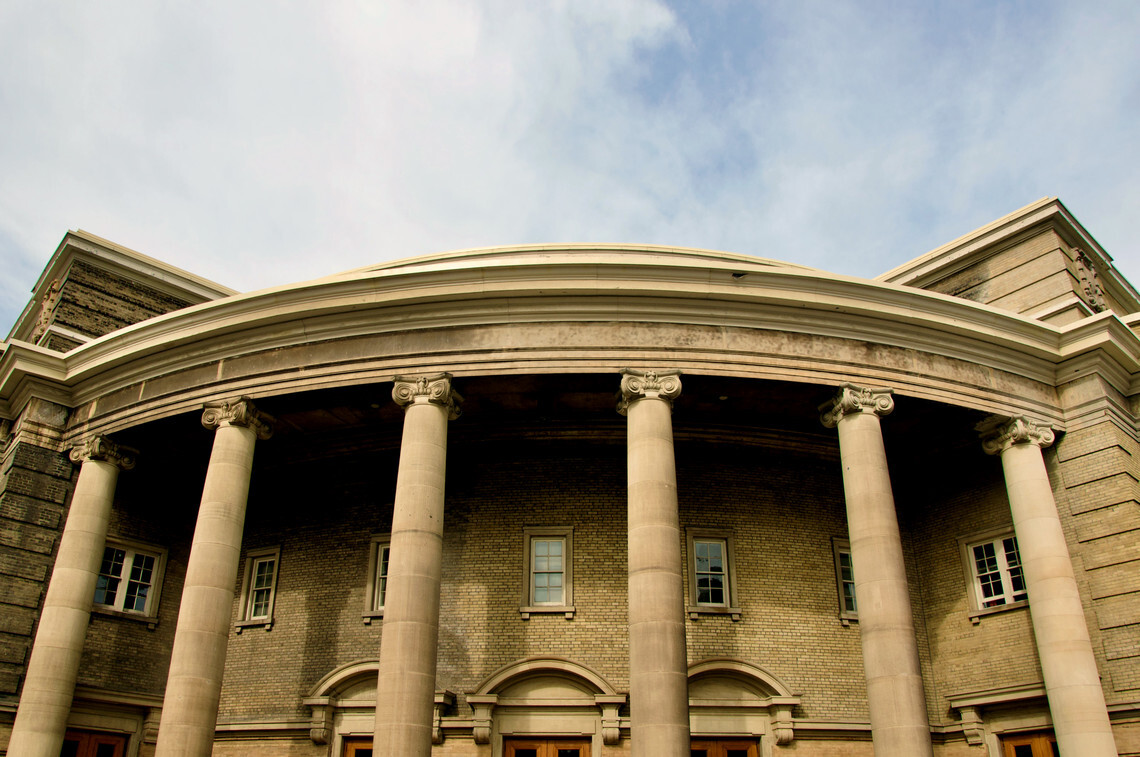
(1030, 745)
(92, 744)
(546, 748)
(722, 748)
(357, 747)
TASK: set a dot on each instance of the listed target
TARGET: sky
(257, 143)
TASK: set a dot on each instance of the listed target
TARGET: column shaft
(895, 697)
(194, 684)
(1072, 683)
(49, 685)
(658, 666)
(405, 694)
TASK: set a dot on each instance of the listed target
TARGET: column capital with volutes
(852, 399)
(663, 384)
(1000, 432)
(240, 412)
(434, 390)
(100, 447)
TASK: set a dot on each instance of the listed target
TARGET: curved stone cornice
(639, 385)
(1000, 433)
(436, 390)
(240, 412)
(99, 447)
(550, 310)
(855, 399)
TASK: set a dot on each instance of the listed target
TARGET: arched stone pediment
(734, 679)
(355, 681)
(549, 671)
(557, 696)
(733, 695)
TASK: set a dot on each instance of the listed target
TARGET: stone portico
(339, 561)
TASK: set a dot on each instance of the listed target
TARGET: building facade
(577, 500)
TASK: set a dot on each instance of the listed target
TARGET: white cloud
(261, 143)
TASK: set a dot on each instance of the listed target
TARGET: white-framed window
(259, 588)
(377, 584)
(549, 582)
(844, 580)
(130, 578)
(712, 573)
(993, 567)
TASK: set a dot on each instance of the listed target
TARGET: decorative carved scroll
(483, 706)
(409, 390)
(240, 412)
(444, 700)
(999, 433)
(855, 399)
(973, 727)
(783, 727)
(638, 385)
(99, 447)
(1090, 282)
(47, 307)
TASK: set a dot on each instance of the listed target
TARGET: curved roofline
(477, 255)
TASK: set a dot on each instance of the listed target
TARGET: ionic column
(899, 726)
(1072, 683)
(194, 684)
(405, 694)
(49, 683)
(658, 668)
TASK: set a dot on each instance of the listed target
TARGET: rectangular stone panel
(1111, 550)
(25, 536)
(1095, 466)
(29, 510)
(1114, 519)
(13, 649)
(1079, 443)
(1125, 674)
(17, 621)
(20, 592)
(1114, 612)
(24, 565)
(1112, 580)
(1102, 492)
(41, 460)
(1122, 642)
(9, 681)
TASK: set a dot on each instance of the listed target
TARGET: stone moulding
(769, 297)
(767, 696)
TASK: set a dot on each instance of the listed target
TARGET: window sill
(847, 618)
(150, 620)
(374, 615)
(695, 611)
(567, 610)
(266, 623)
(977, 615)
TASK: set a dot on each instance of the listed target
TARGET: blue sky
(260, 143)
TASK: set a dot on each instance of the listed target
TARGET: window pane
(138, 587)
(710, 572)
(572, 752)
(547, 571)
(263, 573)
(381, 587)
(1023, 750)
(110, 572)
(105, 750)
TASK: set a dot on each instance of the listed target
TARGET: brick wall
(35, 483)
